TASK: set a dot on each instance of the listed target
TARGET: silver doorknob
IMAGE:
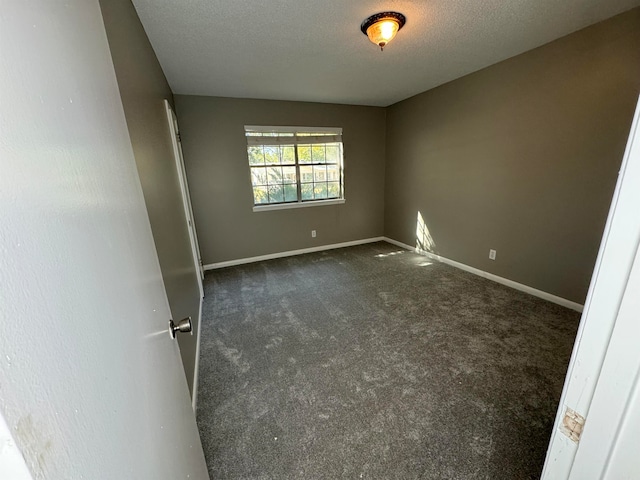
(183, 326)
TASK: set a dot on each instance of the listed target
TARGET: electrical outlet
(313, 233)
(492, 254)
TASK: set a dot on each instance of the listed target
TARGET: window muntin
(295, 165)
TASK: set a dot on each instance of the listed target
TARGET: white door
(184, 187)
(610, 444)
(91, 384)
(601, 341)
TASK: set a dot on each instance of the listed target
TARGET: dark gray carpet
(374, 362)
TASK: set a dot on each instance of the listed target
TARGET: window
(295, 166)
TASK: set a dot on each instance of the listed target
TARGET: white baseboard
(196, 368)
(490, 276)
(291, 253)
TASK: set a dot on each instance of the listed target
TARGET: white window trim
(281, 129)
(308, 203)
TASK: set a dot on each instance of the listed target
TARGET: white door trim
(184, 189)
(611, 272)
(611, 423)
(196, 369)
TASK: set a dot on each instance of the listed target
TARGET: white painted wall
(613, 266)
(91, 385)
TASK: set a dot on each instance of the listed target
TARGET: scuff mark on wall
(35, 446)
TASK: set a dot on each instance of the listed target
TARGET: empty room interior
(370, 361)
(383, 224)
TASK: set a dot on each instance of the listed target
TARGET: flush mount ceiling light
(382, 27)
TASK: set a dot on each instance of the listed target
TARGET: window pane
(333, 173)
(304, 153)
(290, 193)
(333, 153)
(320, 190)
(306, 172)
(256, 155)
(319, 173)
(276, 193)
(333, 190)
(307, 191)
(289, 174)
(275, 175)
(288, 154)
(258, 176)
(272, 154)
(260, 195)
(317, 154)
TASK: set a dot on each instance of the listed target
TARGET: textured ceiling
(314, 50)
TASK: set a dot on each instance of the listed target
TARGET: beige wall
(521, 157)
(215, 154)
(143, 89)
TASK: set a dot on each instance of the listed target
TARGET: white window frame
(335, 137)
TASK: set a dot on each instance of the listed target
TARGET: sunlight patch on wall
(424, 240)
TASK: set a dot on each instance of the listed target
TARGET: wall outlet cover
(492, 254)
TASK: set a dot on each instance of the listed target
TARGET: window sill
(286, 206)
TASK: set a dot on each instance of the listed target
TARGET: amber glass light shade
(382, 32)
(382, 27)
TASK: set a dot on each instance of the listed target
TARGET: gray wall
(143, 88)
(521, 157)
(215, 154)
